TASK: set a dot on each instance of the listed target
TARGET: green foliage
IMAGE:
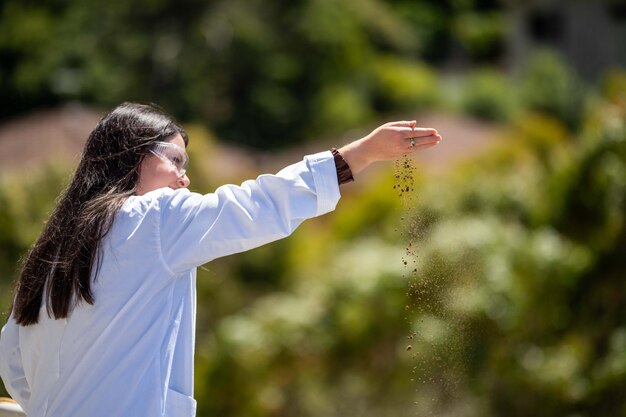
(340, 107)
(488, 95)
(549, 86)
(543, 241)
(614, 87)
(24, 206)
(482, 35)
(260, 73)
(405, 85)
(265, 74)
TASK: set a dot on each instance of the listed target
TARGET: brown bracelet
(344, 173)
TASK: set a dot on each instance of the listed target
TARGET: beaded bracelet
(344, 173)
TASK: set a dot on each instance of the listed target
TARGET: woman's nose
(183, 181)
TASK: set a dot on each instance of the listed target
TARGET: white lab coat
(131, 353)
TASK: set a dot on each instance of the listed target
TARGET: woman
(103, 320)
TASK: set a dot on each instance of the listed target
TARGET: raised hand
(389, 141)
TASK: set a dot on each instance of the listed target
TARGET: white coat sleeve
(11, 367)
(195, 228)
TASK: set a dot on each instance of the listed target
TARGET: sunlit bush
(482, 35)
(25, 203)
(489, 95)
(549, 85)
(341, 107)
(404, 84)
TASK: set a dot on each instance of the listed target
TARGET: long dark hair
(66, 257)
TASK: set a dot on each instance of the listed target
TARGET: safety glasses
(172, 154)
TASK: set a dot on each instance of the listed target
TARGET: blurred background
(484, 277)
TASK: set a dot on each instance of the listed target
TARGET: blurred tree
(255, 70)
(550, 86)
(489, 95)
(260, 73)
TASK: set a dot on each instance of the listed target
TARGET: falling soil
(433, 374)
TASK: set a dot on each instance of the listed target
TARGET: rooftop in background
(30, 141)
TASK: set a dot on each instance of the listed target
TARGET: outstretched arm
(196, 228)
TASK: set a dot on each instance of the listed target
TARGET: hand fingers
(424, 140)
(421, 142)
(404, 123)
(416, 132)
(412, 124)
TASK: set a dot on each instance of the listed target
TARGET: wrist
(353, 156)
